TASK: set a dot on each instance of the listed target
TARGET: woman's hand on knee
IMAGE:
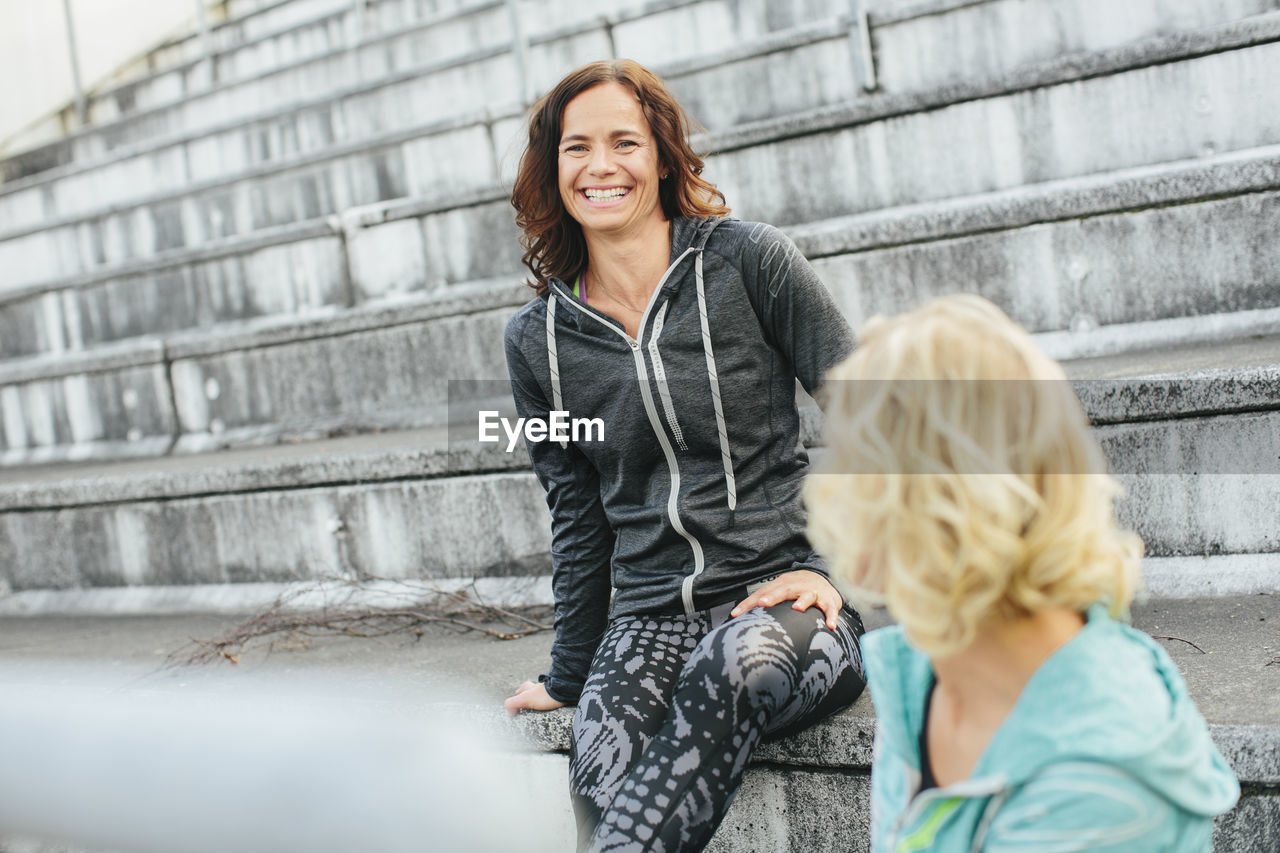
(807, 589)
(530, 696)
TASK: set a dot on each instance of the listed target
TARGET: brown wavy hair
(552, 239)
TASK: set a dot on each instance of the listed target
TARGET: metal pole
(81, 106)
(860, 41)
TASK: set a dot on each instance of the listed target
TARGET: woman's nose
(602, 162)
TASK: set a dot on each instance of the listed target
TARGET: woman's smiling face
(608, 162)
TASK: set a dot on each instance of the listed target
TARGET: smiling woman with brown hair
(553, 237)
(684, 332)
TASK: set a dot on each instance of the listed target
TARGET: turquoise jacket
(1103, 751)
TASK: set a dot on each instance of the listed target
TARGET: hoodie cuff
(561, 690)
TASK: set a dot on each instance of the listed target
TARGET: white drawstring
(729, 482)
(557, 401)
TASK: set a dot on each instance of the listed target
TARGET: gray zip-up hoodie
(694, 492)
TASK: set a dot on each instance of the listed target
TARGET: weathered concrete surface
(82, 404)
(124, 411)
(1159, 184)
(805, 68)
(1084, 236)
(819, 773)
(1082, 126)
(415, 529)
(1081, 241)
(1197, 485)
(290, 279)
(257, 40)
(282, 85)
(452, 35)
(463, 242)
(933, 43)
(719, 85)
(256, 200)
(325, 383)
(1213, 257)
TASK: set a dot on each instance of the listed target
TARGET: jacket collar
(686, 232)
(1079, 705)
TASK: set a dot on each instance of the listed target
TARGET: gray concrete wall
(670, 36)
(430, 513)
(1123, 120)
(1186, 260)
(392, 530)
(369, 175)
(919, 45)
(1072, 259)
(759, 173)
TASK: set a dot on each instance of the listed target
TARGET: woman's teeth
(605, 195)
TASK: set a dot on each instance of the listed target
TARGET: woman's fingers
(805, 600)
(830, 606)
(530, 696)
(806, 589)
(781, 588)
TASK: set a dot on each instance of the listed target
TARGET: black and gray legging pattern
(674, 706)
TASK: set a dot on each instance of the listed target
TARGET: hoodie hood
(1109, 696)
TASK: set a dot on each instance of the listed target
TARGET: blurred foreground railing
(321, 767)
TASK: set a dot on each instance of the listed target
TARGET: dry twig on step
(369, 609)
(1180, 640)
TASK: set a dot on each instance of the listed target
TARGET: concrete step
(771, 75)
(1126, 260)
(358, 147)
(103, 244)
(558, 39)
(286, 34)
(1199, 450)
(144, 397)
(269, 33)
(1070, 260)
(1152, 102)
(355, 108)
(265, 39)
(916, 45)
(825, 768)
(920, 44)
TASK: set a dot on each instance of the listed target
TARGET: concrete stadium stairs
(231, 304)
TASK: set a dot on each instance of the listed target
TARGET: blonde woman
(963, 489)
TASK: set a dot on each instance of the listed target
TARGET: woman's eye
(628, 143)
(575, 149)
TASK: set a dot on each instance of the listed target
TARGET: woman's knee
(756, 657)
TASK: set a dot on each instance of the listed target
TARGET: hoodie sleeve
(795, 308)
(582, 540)
(1096, 807)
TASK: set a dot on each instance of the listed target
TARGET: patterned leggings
(674, 706)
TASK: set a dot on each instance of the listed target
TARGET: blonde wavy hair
(961, 480)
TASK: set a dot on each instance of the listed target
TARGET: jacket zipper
(660, 373)
(655, 423)
(947, 799)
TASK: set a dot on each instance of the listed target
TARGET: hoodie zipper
(945, 800)
(660, 373)
(655, 423)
